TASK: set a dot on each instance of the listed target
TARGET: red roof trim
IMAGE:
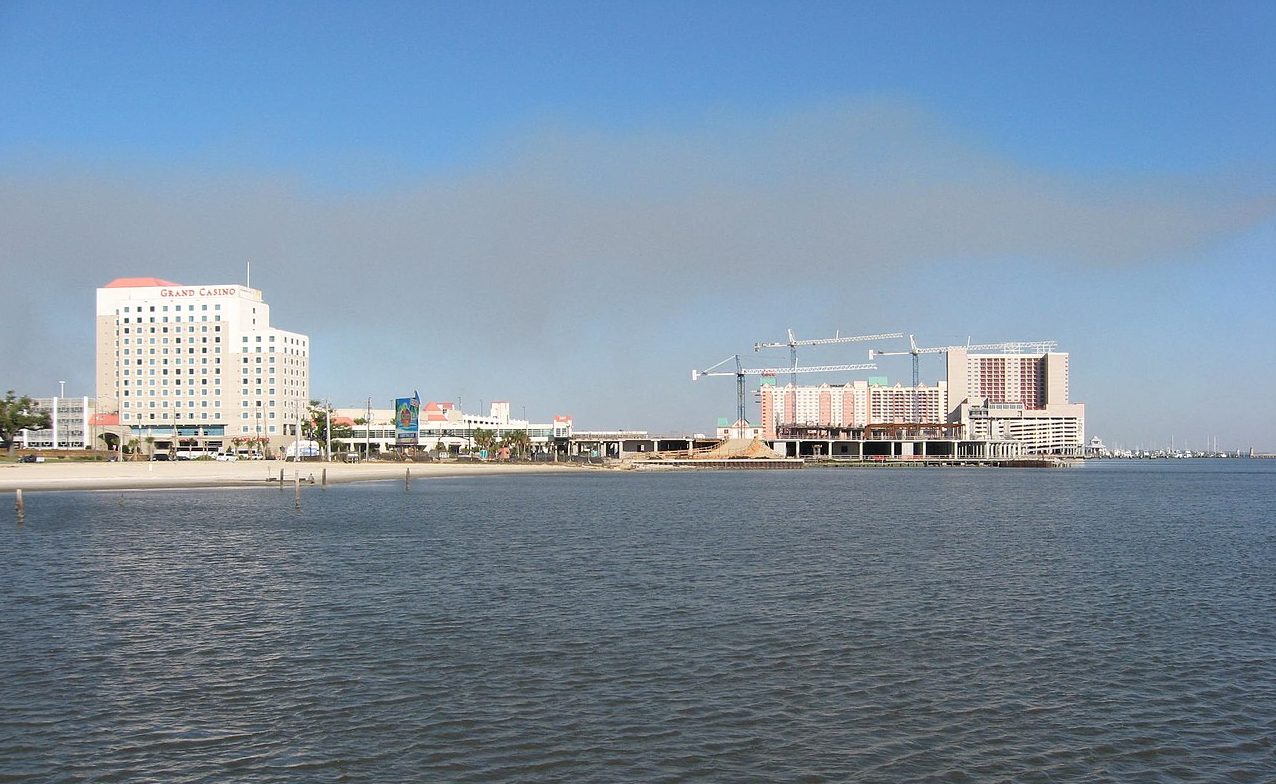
(137, 283)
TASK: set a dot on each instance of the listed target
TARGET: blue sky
(569, 206)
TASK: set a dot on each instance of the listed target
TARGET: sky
(570, 206)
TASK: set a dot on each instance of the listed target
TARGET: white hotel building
(200, 363)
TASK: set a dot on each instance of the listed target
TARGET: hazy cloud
(575, 226)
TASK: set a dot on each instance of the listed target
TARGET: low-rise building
(444, 425)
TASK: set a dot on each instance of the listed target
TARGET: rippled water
(1115, 622)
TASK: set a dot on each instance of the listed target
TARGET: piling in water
(20, 505)
(296, 499)
(407, 479)
(324, 478)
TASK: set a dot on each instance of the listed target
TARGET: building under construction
(1014, 394)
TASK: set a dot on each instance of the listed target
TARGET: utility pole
(296, 436)
(367, 432)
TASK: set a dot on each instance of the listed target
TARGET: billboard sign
(407, 412)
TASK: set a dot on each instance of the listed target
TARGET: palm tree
(485, 439)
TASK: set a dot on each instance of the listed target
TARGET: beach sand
(244, 473)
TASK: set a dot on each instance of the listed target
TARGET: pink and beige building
(854, 404)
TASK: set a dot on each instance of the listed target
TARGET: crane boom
(792, 343)
(696, 375)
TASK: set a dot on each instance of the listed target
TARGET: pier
(878, 444)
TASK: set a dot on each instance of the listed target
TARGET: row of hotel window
(164, 308)
(289, 341)
(216, 349)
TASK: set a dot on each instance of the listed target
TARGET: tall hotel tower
(198, 362)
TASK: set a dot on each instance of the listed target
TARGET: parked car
(227, 457)
(31, 459)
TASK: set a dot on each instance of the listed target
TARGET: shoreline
(46, 477)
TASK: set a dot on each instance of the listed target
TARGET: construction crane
(740, 372)
(1013, 347)
(793, 344)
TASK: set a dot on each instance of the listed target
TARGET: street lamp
(57, 403)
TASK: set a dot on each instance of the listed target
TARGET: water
(1115, 622)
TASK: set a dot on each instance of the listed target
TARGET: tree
(485, 439)
(16, 414)
(315, 426)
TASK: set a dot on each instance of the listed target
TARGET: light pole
(57, 403)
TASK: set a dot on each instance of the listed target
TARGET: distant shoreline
(146, 475)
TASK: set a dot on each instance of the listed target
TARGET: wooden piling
(20, 506)
(324, 479)
(296, 501)
(281, 479)
(407, 479)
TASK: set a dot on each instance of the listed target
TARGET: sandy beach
(247, 473)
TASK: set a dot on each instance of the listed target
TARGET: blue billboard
(407, 411)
